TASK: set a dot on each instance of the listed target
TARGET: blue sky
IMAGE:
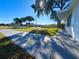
(10, 9)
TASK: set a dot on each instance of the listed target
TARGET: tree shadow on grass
(9, 50)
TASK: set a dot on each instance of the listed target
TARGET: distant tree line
(25, 21)
(19, 21)
(9, 24)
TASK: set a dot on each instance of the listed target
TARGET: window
(69, 20)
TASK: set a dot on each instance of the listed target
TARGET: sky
(10, 9)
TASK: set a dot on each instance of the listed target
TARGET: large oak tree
(48, 7)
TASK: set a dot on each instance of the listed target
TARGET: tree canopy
(19, 21)
(29, 18)
(48, 6)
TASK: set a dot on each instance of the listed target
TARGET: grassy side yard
(9, 50)
(1, 35)
(6, 27)
(40, 30)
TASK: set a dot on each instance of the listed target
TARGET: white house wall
(69, 30)
(75, 22)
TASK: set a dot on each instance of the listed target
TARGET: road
(58, 48)
(9, 32)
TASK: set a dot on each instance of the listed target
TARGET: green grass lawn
(1, 35)
(41, 30)
(8, 50)
(6, 27)
(46, 31)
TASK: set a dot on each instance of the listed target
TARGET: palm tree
(49, 7)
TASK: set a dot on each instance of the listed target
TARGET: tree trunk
(29, 23)
(59, 23)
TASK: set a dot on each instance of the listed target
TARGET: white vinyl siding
(75, 22)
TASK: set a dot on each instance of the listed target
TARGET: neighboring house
(71, 17)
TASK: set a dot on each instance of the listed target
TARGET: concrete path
(36, 45)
